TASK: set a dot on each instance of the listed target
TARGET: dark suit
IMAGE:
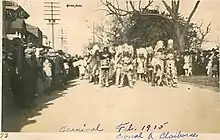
(59, 71)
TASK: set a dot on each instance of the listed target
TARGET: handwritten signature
(72, 5)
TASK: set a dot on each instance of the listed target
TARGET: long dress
(186, 62)
(48, 74)
(82, 67)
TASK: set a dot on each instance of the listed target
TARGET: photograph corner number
(4, 135)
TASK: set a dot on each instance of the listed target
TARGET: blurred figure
(96, 67)
(118, 64)
(149, 66)
(187, 64)
(209, 65)
(30, 75)
(158, 64)
(215, 65)
(171, 72)
(127, 69)
(17, 77)
(75, 67)
(66, 71)
(82, 68)
(47, 67)
(105, 66)
(140, 67)
(59, 69)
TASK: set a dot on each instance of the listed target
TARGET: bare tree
(174, 13)
(173, 10)
(203, 32)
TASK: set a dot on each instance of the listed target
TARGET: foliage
(143, 27)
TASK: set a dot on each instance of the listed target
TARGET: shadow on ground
(203, 82)
(17, 118)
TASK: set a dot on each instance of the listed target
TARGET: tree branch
(132, 6)
(115, 11)
(139, 5)
(203, 33)
(169, 9)
(190, 17)
(177, 6)
(148, 5)
(173, 7)
(117, 4)
(193, 11)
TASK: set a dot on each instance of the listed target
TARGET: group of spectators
(203, 62)
(29, 71)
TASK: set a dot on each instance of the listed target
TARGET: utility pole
(52, 10)
(62, 37)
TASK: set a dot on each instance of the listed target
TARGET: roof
(16, 9)
(34, 30)
(18, 24)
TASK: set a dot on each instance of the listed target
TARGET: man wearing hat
(17, 72)
(59, 69)
(30, 75)
(6, 95)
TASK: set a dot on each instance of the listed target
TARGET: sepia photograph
(139, 69)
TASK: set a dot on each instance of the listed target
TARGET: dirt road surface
(187, 108)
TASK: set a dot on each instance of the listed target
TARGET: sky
(77, 22)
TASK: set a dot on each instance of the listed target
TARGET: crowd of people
(196, 63)
(29, 71)
(122, 65)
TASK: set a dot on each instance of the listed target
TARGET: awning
(34, 30)
(35, 34)
(18, 24)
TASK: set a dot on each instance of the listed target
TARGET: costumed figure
(141, 63)
(118, 64)
(127, 69)
(158, 64)
(96, 67)
(149, 66)
(171, 70)
(105, 66)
